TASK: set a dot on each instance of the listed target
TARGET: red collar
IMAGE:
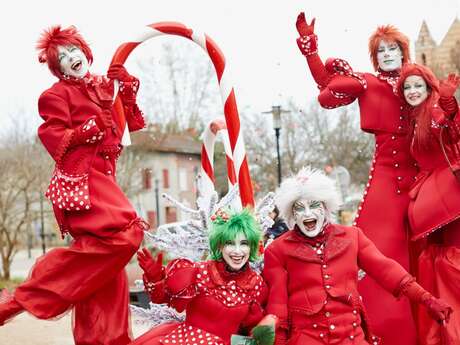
(244, 278)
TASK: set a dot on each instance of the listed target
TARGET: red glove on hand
(307, 42)
(448, 87)
(153, 269)
(438, 309)
(119, 72)
(303, 27)
(87, 133)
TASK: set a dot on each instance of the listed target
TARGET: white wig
(310, 184)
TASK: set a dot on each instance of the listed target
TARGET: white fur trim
(310, 184)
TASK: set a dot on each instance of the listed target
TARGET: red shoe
(9, 308)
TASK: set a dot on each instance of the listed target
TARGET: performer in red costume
(382, 214)
(82, 135)
(434, 209)
(312, 270)
(220, 296)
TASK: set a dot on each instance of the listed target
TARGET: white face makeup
(72, 61)
(415, 90)
(309, 216)
(389, 56)
(236, 253)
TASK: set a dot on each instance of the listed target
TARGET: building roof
(173, 143)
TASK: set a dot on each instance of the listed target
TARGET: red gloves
(153, 269)
(438, 309)
(447, 90)
(303, 27)
(308, 41)
(87, 133)
(119, 72)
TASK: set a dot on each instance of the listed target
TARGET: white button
(332, 327)
(327, 314)
(328, 287)
(321, 335)
(315, 325)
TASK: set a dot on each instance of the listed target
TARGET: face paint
(309, 216)
(236, 252)
(389, 56)
(72, 61)
(415, 90)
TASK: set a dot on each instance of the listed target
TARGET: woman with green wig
(221, 297)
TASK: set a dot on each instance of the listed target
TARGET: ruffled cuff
(308, 45)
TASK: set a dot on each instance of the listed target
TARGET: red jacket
(435, 197)
(66, 108)
(217, 303)
(301, 282)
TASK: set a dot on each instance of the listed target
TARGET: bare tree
(179, 89)
(25, 168)
(312, 136)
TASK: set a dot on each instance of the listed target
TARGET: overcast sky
(257, 37)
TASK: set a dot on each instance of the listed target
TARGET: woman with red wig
(434, 209)
(81, 132)
(382, 214)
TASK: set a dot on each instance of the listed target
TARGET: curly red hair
(54, 37)
(388, 33)
(420, 114)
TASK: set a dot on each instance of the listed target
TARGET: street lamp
(157, 201)
(276, 113)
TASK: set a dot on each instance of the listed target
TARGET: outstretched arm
(447, 101)
(308, 45)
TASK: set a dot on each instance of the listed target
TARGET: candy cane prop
(227, 93)
(209, 137)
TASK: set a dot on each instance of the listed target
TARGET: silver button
(352, 337)
(109, 172)
(332, 327)
(328, 287)
(327, 276)
(355, 311)
(355, 324)
(324, 266)
(321, 335)
(315, 325)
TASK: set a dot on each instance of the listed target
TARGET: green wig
(225, 229)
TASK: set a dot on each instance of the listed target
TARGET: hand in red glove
(438, 309)
(448, 87)
(119, 72)
(153, 269)
(87, 133)
(303, 27)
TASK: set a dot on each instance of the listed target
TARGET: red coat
(65, 107)
(382, 214)
(316, 297)
(435, 197)
(217, 303)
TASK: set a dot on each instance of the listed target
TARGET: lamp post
(157, 201)
(276, 113)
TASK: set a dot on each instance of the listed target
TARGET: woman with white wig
(312, 270)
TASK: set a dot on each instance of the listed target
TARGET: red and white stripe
(232, 118)
(209, 137)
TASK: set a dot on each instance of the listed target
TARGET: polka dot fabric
(69, 192)
(190, 335)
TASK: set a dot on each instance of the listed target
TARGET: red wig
(388, 33)
(422, 113)
(54, 37)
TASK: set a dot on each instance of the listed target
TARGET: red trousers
(439, 273)
(89, 277)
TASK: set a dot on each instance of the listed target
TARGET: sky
(257, 38)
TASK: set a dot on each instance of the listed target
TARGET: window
(152, 219)
(147, 178)
(182, 179)
(165, 178)
(171, 214)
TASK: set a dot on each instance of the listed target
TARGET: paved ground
(27, 330)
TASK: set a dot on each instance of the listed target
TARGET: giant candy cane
(232, 118)
(217, 126)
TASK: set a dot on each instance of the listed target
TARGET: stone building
(442, 58)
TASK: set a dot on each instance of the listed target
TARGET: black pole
(42, 224)
(277, 133)
(157, 201)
